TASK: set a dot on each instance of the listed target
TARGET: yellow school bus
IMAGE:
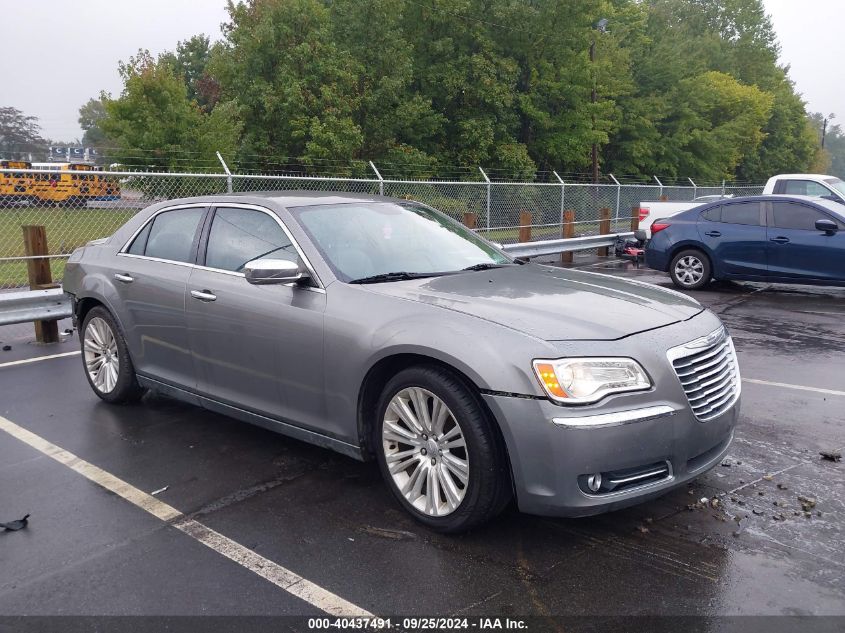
(105, 187)
(15, 187)
(62, 184)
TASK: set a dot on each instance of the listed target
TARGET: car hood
(550, 303)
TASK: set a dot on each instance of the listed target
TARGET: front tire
(690, 269)
(105, 357)
(439, 452)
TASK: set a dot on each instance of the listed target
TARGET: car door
(257, 347)
(150, 280)
(736, 235)
(796, 250)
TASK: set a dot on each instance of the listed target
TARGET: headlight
(586, 380)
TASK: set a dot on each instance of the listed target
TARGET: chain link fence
(93, 204)
(78, 207)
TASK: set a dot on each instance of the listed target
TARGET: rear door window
(172, 234)
(741, 213)
(713, 214)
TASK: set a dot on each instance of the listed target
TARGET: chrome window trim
(232, 205)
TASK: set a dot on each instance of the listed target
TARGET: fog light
(594, 482)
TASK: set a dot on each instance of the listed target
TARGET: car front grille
(709, 373)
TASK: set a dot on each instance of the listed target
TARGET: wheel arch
(381, 372)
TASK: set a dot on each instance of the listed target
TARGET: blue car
(775, 238)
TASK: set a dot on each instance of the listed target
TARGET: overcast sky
(59, 54)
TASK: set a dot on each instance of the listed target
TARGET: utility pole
(824, 126)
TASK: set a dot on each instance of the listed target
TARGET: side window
(742, 213)
(714, 214)
(238, 236)
(816, 189)
(172, 234)
(140, 242)
(789, 215)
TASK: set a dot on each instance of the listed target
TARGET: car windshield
(360, 240)
(837, 184)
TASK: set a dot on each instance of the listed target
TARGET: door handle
(780, 240)
(713, 234)
(127, 279)
(203, 295)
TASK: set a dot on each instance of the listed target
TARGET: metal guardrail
(551, 247)
(34, 305)
(52, 304)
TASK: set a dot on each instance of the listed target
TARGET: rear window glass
(172, 234)
(742, 213)
(713, 215)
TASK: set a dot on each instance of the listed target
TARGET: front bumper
(550, 460)
(643, 444)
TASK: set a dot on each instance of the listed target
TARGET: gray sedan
(384, 330)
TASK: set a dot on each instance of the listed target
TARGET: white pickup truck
(807, 185)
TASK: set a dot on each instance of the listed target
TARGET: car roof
(288, 198)
(829, 205)
(803, 176)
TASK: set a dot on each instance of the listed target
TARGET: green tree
(155, 125)
(20, 135)
(295, 89)
(91, 113)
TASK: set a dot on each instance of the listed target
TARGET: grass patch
(67, 229)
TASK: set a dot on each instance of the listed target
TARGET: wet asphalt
(749, 548)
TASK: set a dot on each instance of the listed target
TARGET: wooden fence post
(525, 221)
(40, 277)
(604, 229)
(567, 231)
(635, 218)
(470, 220)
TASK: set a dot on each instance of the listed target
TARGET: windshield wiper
(396, 276)
(485, 266)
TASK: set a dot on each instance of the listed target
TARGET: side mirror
(261, 272)
(828, 227)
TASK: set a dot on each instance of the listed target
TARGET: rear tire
(690, 269)
(106, 360)
(439, 451)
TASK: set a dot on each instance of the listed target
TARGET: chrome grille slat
(715, 361)
(709, 377)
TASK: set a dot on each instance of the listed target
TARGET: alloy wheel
(102, 361)
(425, 451)
(689, 270)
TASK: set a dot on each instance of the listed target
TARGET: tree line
(683, 88)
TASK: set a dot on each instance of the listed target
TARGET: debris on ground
(760, 493)
(7, 348)
(643, 529)
(395, 535)
(14, 526)
(782, 487)
(726, 463)
(779, 517)
(742, 523)
(831, 456)
(714, 502)
(807, 503)
(159, 491)
(768, 476)
(757, 512)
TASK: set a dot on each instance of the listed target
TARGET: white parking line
(831, 392)
(26, 361)
(283, 578)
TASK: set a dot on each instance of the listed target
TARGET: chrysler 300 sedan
(385, 330)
